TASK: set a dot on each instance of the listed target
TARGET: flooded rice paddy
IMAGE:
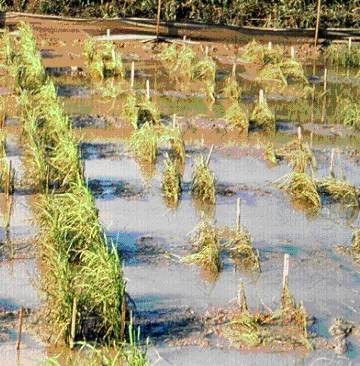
(172, 301)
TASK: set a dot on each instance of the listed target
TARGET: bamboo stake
(108, 34)
(332, 159)
(261, 96)
(238, 212)
(270, 46)
(317, 22)
(325, 79)
(350, 42)
(299, 134)
(148, 89)
(73, 324)
(292, 52)
(209, 156)
(234, 69)
(207, 51)
(20, 324)
(158, 20)
(286, 268)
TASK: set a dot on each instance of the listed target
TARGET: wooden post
(108, 34)
(158, 20)
(132, 75)
(317, 22)
(286, 268)
(207, 51)
(209, 156)
(238, 213)
(148, 89)
(350, 42)
(20, 324)
(73, 324)
(234, 69)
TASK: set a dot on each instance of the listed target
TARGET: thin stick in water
(238, 213)
(73, 324)
(209, 156)
(132, 75)
(286, 268)
(20, 324)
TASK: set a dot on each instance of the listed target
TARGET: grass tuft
(237, 118)
(262, 116)
(171, 183)
(143, 143)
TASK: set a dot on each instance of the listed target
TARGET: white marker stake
(132, 75)
(108, 34)
(238, 212)
(286, 268)
(148, 89)
(299, 134)
(270, 46)
(261, 96)
(206, 51)
(325, 79)
(292, 51)
(234, 69)
(332, 159)
(350, 42)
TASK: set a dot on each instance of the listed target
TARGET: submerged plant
(207, 248)
(339, 191)
(237, 118)
(143, 143)
(262, 116)
(302, 188)
(171, 183)
(203, 182)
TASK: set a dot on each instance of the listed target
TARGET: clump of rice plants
(6, 48)
(262, 116)
(140, 113)
(285, 326)
(272, 73)
(173, 136)
(301, 188)
(207, 248)
(231, 88)
(270, 154)
(293, 70)
(343, 55)
(254, 52)
(348, 113)
(339, 190)
(355, 244)
(143, 143)
(205, 69)
(203, 182)
(239, 245)
(171, 183)
(237, 117)
(102, 61)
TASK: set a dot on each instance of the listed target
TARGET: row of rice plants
(81, 277)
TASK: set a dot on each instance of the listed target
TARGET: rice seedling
(185, 61)
(343, 55)
(272, 73)
(135, 354)
(293, 70)
(262, 116)
(205, 69)
(355, 244)
(203, 182)
(254, 52)
(236, 117)
(7, 49)
(270, 154)
(348, 113)
(102, 60)
(231, 88)
(173, 137)
(171, 183)
(143, 143)
(207, 248)
(339, 190)
(168, 56)
(301, 188)
(2, 112)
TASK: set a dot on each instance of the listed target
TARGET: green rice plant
(135, 354)
(262, 116)
(102, 60)
(339, 190)
(207, 248)
(186, 59)
(130, 110)
(301, 188)
(143, 143)
(2, 112)
(173, 137)
(231, 89)
(103, 289)
(205, 69)
(6, 48)
(270, 154)
(293, 70)
(355, 243)
(272, 73)
(237, 118)
(239, 245)
(254, 52)
(342, 55)
(168, 56)
(348, 113)
(203, 182)
(171, 183)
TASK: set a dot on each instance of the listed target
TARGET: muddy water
(170, 297)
